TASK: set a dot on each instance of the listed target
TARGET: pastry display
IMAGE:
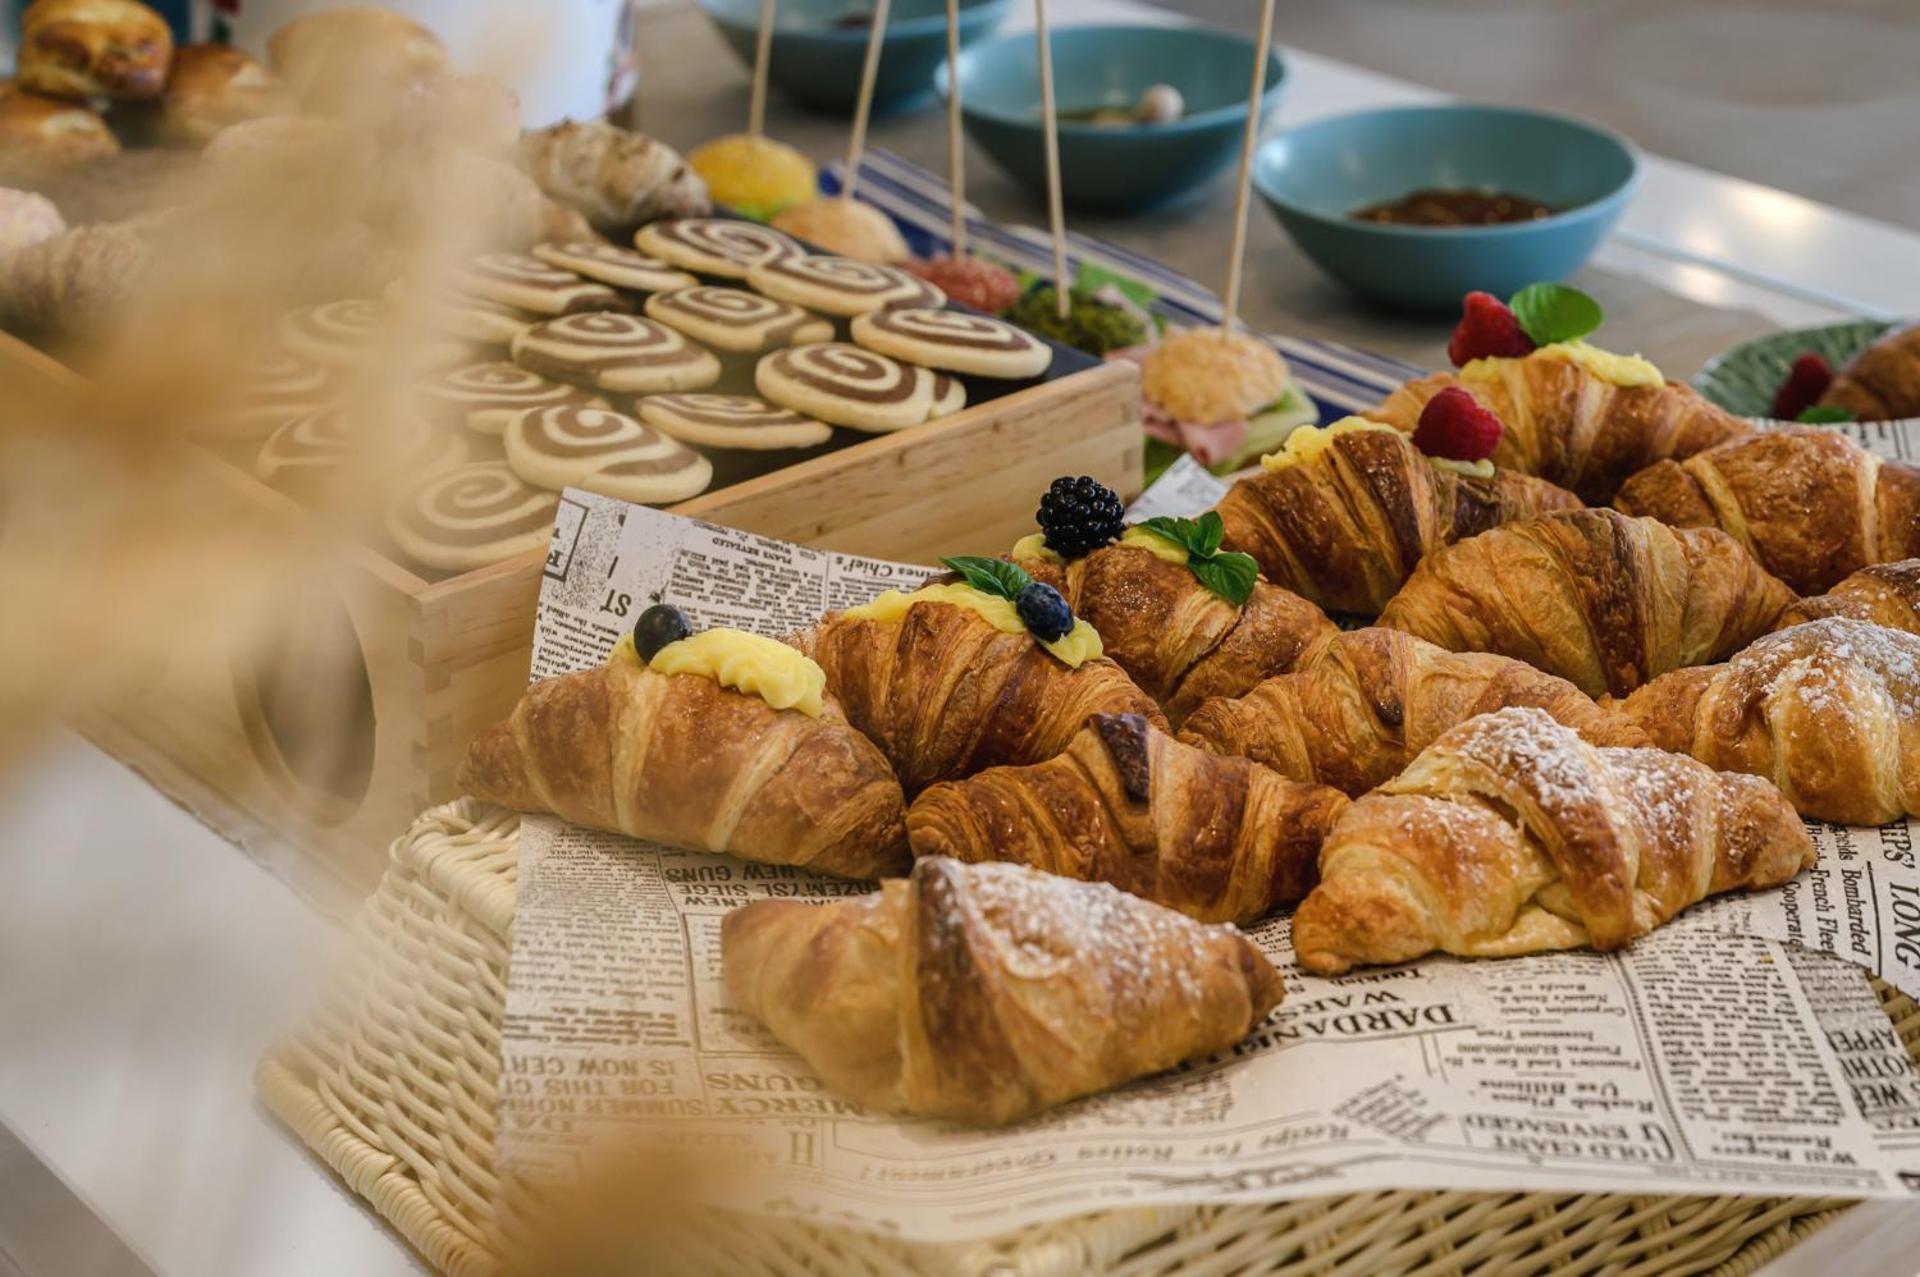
(754, 175)
(1223, 398)
(1370, 700)
(272, 393)
(840, 285)
(570, 446)
(527, 283)
(1886, 594)
(1811, 505)
(482, 323)
(715, 245)
(336, 333)
(735, 320)
(1605, 601)
(42, 137)
(731, 422)
(213, 86)
(845, 228)
(1343, 513)
(1882, 382)
(487, 397)
(84, 49)
(1511, 835)
(620, 267)
(1220, 839)
(620, 180)
(471, 516)
(311, 456)
(931, 995)
(1828, 710)
(953, 340)
(718, 741)
(848, 386)
(615, 352)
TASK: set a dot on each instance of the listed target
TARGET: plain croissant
(1511, 835)
(1372, 699)
(1567, 424)
(1345, 527)
(1605, 601)
(1219, 839)
(1886, 594)
(681, 760)
(987, 993)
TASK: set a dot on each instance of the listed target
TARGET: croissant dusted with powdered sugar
(987, 993)
(1219, 839)
(1511, 835)
(1372, 699)
(1345, 526)
(1886, 594)
(1605, 601)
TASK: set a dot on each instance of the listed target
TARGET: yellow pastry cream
(1308, 442)
(1155, 544)
(1078, 646)
(1034, 546)
(779, 675)
(1481, 469)
(1620, 370)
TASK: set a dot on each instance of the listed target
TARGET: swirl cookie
(527, 283)
(953, 340)
(620, 267)
(717, 246)
(471, 516)
(731, 421)
(854, 387)
(483, 323)
(335, 333)
(615, 352)
(736, 320)
(841, 285)
(606, 452)
(275, 391)
(487, 397)
(311, 453)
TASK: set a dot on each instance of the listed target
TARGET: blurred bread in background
(93, 49)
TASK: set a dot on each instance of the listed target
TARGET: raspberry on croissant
(1372, 699)
(1605, 601)
(1511, 835)
(987, 993)
(1219, 839)
(1886, 594)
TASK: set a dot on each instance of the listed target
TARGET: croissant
(620, 180)
(1511, 835)
(944, 694)
(1882, 382)
(1345, 525)
(1569, 425)
(987, 993)
(1812, 505)
(1219, 839)
(681, 760)
(1829, 711)
(1886, 594)
(1605, 601)
(1179, 641)
(1372, 699)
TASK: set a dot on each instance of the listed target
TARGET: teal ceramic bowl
(1113, 170)
(816, 61)
(1313, 177)
(1746, 378)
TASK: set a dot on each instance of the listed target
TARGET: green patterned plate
(1744, 380)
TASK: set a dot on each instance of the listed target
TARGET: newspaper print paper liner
(394, 1086)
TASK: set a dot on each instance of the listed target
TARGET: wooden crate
(438, 660)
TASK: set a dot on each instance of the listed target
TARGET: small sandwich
(1224, 398)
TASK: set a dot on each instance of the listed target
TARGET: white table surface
(145, 962)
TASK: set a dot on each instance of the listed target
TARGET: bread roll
(42, 136)
(26, 219)
(93, 49)
(339, 59)
(213, 86)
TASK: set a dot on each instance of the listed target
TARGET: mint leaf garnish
(1228, 574)
(1231, 576)
(1823, 414)
(991, 576)
(1553, 312)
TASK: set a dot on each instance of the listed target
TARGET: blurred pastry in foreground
(1882, 382)
(73, 282)
(41, 137)
(1223, 398)
(213, 86)
(619, 179)
(756, 177)
(93, 49)
(355, 58)
(26, 218)
(845, 227)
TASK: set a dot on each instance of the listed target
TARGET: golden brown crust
(1205, 376)
(988, 993)
(1828, 710)
(1574, 428)
(1605, 601)
(1372, 699)
(211, 87)
(1882, 382)
(93, 49)
(1511, 835)
(1886, 594)
(681, 760)
(618, 179)
(944, 694)
(41, 137)
(1219, 839)
(1346, 527)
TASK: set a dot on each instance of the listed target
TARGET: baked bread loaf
(93, 49)
(41, 137)
(356, 58)
(619, 180)
(1511, 835)
(988, 993)
(1605, 601)
(1882, 382)
(1219, 839)
(1885, 594)
(213, 86)
(1829, 711)
(1810, 504)
(1372, 699)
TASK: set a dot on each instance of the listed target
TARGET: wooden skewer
(863, 105)
(956, 159)
(762, 55)
(1230, 307)
(1056, 218)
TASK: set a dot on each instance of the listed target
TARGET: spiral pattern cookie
(736, 320)
(471, 516)
(606, 452)
(731, 421)
(620, 267)
(335, 333)
(953, 340)
(615, 352)
(313, 452)
(854, 387)
(272, 393)
(717, 246)
(527, 283)
(483, 323)
(949, 396)
(487, 397)
(841, 285)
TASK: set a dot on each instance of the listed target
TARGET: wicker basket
(393, 1085)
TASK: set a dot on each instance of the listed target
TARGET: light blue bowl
(1313, 178)
(1113, 170)
(817, 64)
